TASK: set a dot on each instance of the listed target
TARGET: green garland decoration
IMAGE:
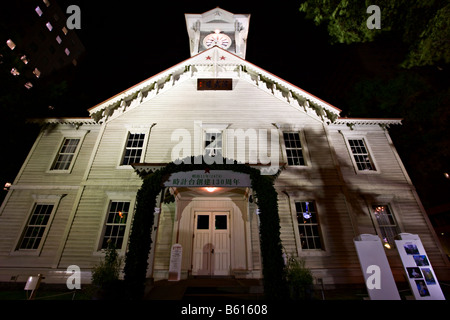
(136, 264)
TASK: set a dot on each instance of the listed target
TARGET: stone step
(206, 288)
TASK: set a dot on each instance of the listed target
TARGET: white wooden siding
(343, 195)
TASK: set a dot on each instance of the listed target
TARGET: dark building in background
(36, 41)
(39, 58)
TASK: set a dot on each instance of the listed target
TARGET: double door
(211, 244)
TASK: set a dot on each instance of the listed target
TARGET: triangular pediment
(218, 15)
(214, 63)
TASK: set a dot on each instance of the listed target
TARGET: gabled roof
(215, 59)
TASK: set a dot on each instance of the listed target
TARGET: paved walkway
(205, 289)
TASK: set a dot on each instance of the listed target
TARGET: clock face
(217, 39)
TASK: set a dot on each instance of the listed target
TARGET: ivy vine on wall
(266, 198)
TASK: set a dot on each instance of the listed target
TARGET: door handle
(212, 250)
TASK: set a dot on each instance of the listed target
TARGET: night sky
(129, 41)
(126, 44)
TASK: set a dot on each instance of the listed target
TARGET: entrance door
(211, 247)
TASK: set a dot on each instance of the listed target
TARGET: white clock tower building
(220, 28)
(341, 180)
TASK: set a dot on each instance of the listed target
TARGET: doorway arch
(266, 198)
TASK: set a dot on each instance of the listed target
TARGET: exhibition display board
(418, 269)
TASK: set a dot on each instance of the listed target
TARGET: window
(387, 224)
(24, 59)
(15, 72)
(294, 150)
(221, 222)
(28, 85)
(49, 26)
(64, 30)
(361, 155)
(133, 148)
(38, 11)
(34, 231)
(202, 222)
(11, 44)
(65, 154)
(47, 3)
(308, 225)
(36, 72)
(67, 51)
(58, 39)
(116, 222)
(213, 143)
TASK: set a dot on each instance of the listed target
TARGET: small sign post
(32, 285)
(175, 262)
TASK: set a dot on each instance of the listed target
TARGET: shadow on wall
(343, 210)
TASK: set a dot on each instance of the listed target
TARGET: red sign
(214, 84)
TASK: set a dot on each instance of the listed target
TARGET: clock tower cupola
(220, 28)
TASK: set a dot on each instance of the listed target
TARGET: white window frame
(360, 136)
(67, 134)
(112, 196)
(216, 132)
(305, 152)
(293, 197)
(107, 224)
(38, 199)
(209, 127)
(133, 130)
(318, 224)
(377, 224)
